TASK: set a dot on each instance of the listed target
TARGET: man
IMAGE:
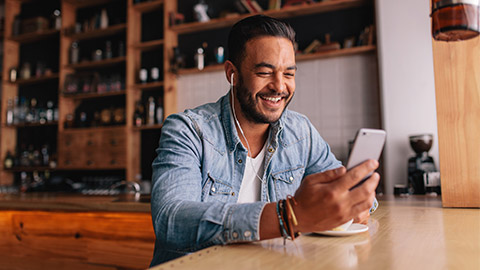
(222, 169)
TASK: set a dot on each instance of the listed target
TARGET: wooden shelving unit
(135, 50)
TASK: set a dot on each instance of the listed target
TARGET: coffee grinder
(421, 166)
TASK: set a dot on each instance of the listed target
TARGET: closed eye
(264, 74)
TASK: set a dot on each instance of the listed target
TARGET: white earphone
(241, 131)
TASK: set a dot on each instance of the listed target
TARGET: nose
(278, 83)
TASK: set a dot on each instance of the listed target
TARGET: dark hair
(253, 27)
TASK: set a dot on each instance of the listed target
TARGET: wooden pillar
(457, 85)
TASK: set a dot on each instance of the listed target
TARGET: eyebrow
(263, 64)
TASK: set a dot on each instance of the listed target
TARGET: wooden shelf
(35, 36)
(148, 86)
(109, 31)
(29, 169)
(287, 12)
(99, 129)
(87, 3)
(335, 53)
(149, 45)
(36, 80)
(299, 58)
(98, 64)
(94, 95)
(26, 125)
(148, 127)
(148, 6)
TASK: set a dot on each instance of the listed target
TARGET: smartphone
(368, 144)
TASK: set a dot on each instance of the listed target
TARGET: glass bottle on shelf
(9, 118)
(57, 19)
(143, 75)
(16, 110)
(8, 162)
(22, 111)
(108, 49)
(103, 18)
(42, 114)
(74, 53)
(155, 74)
(138, 114)
(45, 155)
(200, 59)
(25, 71)
(151, 111)
(49, 112)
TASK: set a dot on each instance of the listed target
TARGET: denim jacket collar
(231, 132)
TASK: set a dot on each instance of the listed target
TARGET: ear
(229, 70)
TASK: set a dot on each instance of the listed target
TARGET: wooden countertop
(404, 233)
(72, 202)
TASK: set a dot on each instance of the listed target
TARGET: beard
(249, 105)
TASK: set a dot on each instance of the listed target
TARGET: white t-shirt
(251, 184)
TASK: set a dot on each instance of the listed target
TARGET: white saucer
(353, 229)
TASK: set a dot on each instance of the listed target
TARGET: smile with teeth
(272, 99)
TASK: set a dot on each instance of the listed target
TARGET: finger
(366, 190)
(362, 206)
(362, 218)
(355, 175)
(326, 176)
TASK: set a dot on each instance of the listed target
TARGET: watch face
(106, 116)
(119, 115)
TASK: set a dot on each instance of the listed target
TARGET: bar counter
(404, 233)
(71, 231)
(75, 202)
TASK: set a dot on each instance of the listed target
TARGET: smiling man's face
(267, 79)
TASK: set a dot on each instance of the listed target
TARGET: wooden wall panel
(53, 240)
(457, 85)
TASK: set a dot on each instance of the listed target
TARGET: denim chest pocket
(216, 190)
(289, 176)
(287, 181)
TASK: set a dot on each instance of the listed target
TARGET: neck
(255, 133)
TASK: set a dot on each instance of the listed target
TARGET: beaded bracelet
(283, 231)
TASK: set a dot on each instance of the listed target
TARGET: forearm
(189, 226)
(269, 223)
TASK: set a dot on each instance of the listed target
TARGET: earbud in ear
(231, 78)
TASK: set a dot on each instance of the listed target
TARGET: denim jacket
(198, 172)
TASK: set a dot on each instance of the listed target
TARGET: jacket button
(271, 150)
(213, 189)
(291, 178)
(235, 235)
(240, 161)
(247, 234)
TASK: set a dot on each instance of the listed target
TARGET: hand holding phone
(368, 145)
